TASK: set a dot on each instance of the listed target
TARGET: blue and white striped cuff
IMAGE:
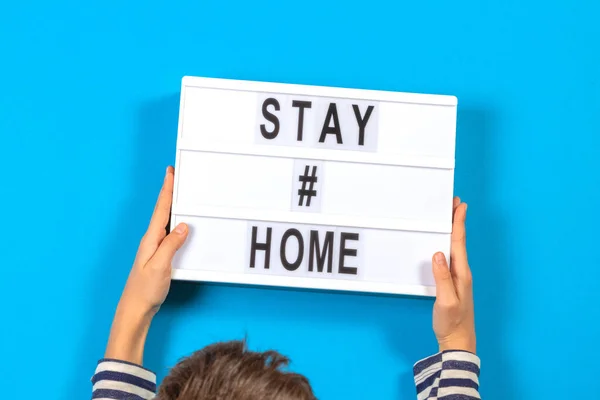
(447, 375)
(116, 379)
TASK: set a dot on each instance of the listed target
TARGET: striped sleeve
(449, 375)
(121, 380)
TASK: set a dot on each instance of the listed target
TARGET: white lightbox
(313, 187)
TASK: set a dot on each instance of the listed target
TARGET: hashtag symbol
(307, 180)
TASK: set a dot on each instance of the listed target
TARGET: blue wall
(88, 117)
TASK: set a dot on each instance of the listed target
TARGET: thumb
(445, 291)
(163, 256)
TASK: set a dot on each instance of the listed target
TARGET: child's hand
(150, 277)
(453, 312)
(148, 283)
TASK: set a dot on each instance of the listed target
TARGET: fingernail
(180, 229)
(439, 259)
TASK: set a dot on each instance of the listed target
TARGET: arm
(452, 373)
(120, 374)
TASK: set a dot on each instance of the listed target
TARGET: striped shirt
(450, 375)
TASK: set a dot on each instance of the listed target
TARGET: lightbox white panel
(413, 134)
(207, 249)
(227, 180)
(265, 183)
(350, 189)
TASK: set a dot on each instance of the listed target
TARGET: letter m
(321, 254)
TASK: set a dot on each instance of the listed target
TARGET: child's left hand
(148, 283)
(150, 277)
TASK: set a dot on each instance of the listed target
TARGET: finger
(458, 254)
(455, 203)
(169, 246)
(162, 210)
(444, 286)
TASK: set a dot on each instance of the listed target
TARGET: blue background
(88, 117)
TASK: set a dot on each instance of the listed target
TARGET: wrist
(458, 344)
(134, 305)
(135, 310)
(133, 317)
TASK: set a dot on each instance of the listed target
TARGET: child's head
(228, 371)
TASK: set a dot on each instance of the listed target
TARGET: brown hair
(229, 371)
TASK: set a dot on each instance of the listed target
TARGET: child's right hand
(453, 312)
